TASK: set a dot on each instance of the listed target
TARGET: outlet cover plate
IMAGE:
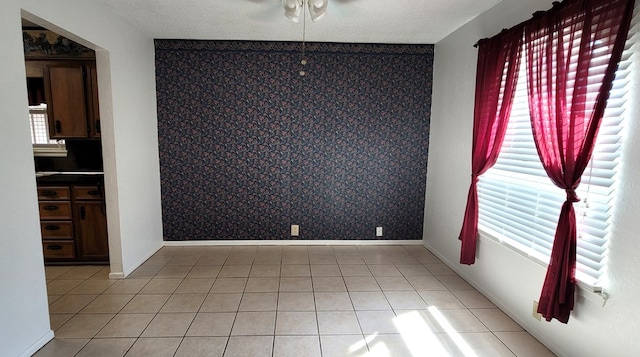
(378, 231)
(295, 230)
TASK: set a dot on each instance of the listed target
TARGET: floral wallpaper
(249, 147)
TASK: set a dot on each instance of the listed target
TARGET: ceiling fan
(293, 9)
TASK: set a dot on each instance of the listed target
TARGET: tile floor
(279, 301)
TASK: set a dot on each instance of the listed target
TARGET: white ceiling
(354, 21)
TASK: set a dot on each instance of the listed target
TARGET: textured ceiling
(355, 21)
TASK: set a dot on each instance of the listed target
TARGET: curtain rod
(555, 6)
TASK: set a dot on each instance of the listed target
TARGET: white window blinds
(520, 205)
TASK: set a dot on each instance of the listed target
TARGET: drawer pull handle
(93, 193)
(50, 208)
(52, 227)
(58, 127)
(49, 193)
(54, 247)
(83, 212)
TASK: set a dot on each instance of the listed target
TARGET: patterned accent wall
(249, 147)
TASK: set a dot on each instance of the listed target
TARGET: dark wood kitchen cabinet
(73, 223)
(90, 223)
(71, 93)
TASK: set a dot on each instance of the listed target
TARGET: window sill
(585, 289)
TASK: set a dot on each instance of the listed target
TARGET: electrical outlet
(378, 231)
(536, 315)
(295, 230)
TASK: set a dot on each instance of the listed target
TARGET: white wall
(126, 75)
(506, 277)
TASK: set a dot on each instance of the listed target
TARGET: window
(519, 204)
(42, 145)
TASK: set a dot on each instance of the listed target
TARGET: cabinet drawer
(87, 193)
(59, 249)
(55, 210)
(57, 229)
(53, 193)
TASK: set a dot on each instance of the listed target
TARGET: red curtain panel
(572, 53)
(498, 61)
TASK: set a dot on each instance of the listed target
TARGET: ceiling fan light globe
(317, 9)
(292, 9)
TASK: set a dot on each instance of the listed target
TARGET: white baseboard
(38, 344)
(190, 243)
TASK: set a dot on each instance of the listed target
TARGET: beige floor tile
(254, 323)
(59, 287)
(405, 300)
(54, 271)
(408, 270)
(349, 259)
(454, 282)
(333, 301)
(92, 286)
(145, 271)
(234, 271)
(325, 270)
(62, 347)
(295, 270)
(377, 322)
(265, 271)
(295, 259)
(472, 299)
(156, 347)
(343, 345)
(173, 272)
(393, 283)
(183, 303)
(323, 259)
(496, 320)
(523, 344)
(169, 325)
(102, 273)
(183, 260)
(338, 323)
(478, 343)
(292, 301)
(81, 272)
(107, 347)
(328, 283)
(355, 270)
(127, 286)
(418, 322)
(254, 346)
(71, 304)
(263, 259)
(439, 268)
(461, 320)
(396, 345)
(361, 283)
(259, 302)
(58, 320)
(296, 323)
(229, 285)
(146, 303)
(369, 300)
(126, 325)
(161, 260)
(204, 272)
(195, 286)
(83, 326)
(441, 299)
(212, 259)
(425, 283)
(295, 284)
(376, 258)
(107, 304)
(262, 285)
(161, 286)
(295, 346)
(52, 298)
(240, 259)
(384, 270)
(221, 303)
(202, 347)
(212, 324)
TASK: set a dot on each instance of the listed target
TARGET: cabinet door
(91, 231)
(92, 94)
(66, 101)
